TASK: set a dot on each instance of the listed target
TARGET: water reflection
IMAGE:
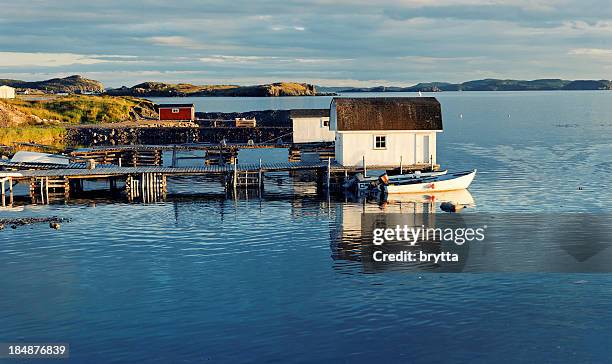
(351, 241)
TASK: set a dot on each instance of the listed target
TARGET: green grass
(80, 109)
(41, 135)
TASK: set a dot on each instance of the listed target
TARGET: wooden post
(150, 179)
(401, 166)
(156, 185)
(42, 194)
(47, 188)
(67, 188)
(32, 188)
(365, 169)
(174, 156)
(235, 175)
(128, 187)
(260, 175)
(142, 185)
(3, 193)
(119, 161)
(11, 190)
(328, 173)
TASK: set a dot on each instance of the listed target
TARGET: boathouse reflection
(351, 237)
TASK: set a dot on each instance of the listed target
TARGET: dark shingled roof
(388, 113)
(166, 106)
(308, 113)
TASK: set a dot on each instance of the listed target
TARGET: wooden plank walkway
(109, 171)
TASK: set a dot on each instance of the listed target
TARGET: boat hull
(450, 182)
(366, 183)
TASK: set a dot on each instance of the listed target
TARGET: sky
(324, 42)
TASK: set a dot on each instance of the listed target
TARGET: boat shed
(7, 92)
(176, 112)
(311, 126)
(385, 131)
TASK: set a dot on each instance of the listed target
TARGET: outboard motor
(380, 185)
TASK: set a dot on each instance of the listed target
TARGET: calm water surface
(272, 278)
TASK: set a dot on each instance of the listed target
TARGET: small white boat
(446, 182)
(366, 183)
(41, 158)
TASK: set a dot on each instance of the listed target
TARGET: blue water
(271, 278)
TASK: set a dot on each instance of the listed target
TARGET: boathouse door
(425, 149)
(421, 148)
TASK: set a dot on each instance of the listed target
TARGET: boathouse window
(380, 142)
(175, 111)
(326, 123)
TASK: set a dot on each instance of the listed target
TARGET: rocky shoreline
(54, 222)
(107, 136)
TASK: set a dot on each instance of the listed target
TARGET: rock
(448, 207)
(55, 225)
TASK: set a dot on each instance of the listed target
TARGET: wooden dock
(150, 182)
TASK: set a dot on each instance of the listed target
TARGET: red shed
(176, 112)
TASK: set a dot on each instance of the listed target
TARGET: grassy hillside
(53, 135)
(81, 109)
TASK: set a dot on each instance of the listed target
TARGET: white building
(386, 131)
(7, 92)
(311, 126)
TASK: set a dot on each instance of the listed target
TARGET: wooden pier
(149, 183)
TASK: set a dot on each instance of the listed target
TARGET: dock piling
(259, 176)
(328, 173)
(365, 169)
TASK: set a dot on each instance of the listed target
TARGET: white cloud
(425, 59)
(234, 59)
(19, 59)
(592, 52)
(279, 28)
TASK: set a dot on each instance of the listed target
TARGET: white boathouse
(311, 126)
(386, 131)
(7, 92)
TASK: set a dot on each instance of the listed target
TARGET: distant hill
(488, 84)
(71, 85)
(153, 89)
